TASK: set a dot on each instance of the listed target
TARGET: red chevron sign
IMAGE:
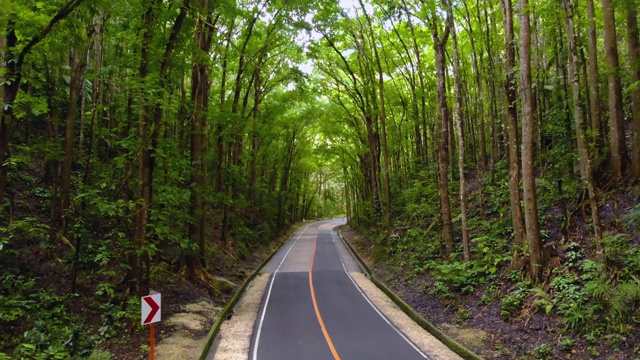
(151, 309)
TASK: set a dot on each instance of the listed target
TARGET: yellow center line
(315, 303)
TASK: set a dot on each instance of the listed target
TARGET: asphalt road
(312, 309)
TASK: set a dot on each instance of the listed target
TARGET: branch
(177, 25)
(62, 13)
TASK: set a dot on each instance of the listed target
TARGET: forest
(490, 151)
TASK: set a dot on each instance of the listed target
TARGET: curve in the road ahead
(328, 316)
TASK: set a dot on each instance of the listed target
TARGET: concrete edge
(414, 315)
(215, 329)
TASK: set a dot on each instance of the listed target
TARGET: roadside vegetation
(582, 308)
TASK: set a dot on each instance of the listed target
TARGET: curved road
(312, 309)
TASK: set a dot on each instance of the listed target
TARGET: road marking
(315, 303)
(266, 303)
(373, 306)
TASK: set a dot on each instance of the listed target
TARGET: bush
(41, 325)
(542, 352)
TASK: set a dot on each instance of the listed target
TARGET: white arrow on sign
(151, 309)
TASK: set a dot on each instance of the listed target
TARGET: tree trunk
(443, 145)
(477, 70)
(78, 66)
(634, 69)
(383, 126)
(583, 151)
(532, 227)
(617, 143)
(594, 84)
(491, 85)
(138, 272)
(461, 133)
(76, 88)
(97, 111)
(200, 97)
(512, 125)
(5, 63)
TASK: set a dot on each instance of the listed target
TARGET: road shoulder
(235, 333)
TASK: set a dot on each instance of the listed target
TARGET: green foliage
(50, 331)
(98, 354)
(622, 255)
(514, 301)
(463, 276)
(633, 217)
(573, 254)
(462, 315)
(542, 300)
(566, 344)
(441, 291)
(413, 250)
(24, 231)
(589, 298)
(541, 352)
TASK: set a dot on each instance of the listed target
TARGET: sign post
(150, 314)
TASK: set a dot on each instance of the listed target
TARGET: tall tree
(594, 84)
(200, 86)
(586, 170)
(617, 142)
(383, 124)
(532, 227)
(512, 125)
(633, 43)
(459, 120)
(439, 44)
(138, 274)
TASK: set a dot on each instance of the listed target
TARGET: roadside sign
(151, 309)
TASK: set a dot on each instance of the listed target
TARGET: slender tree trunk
(383, 126)
(477, 70)
(493, 132)
(4, 130)
(594, 84)
(459, 118)
(443, 147)
(200, 97)
(512, 126)
(633, 43)
(253, 161)
(76, 88)
(159, 103)
(97, 111)
(78, 66)
(617, 143)
(583, 152)
(532, 227)
(138, 258)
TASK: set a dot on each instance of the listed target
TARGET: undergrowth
(589, 299)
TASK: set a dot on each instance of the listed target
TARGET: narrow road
(312, 309)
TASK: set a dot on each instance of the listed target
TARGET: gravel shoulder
(235, 333)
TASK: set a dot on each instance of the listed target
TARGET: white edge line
(266, 303)
(374, 307)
